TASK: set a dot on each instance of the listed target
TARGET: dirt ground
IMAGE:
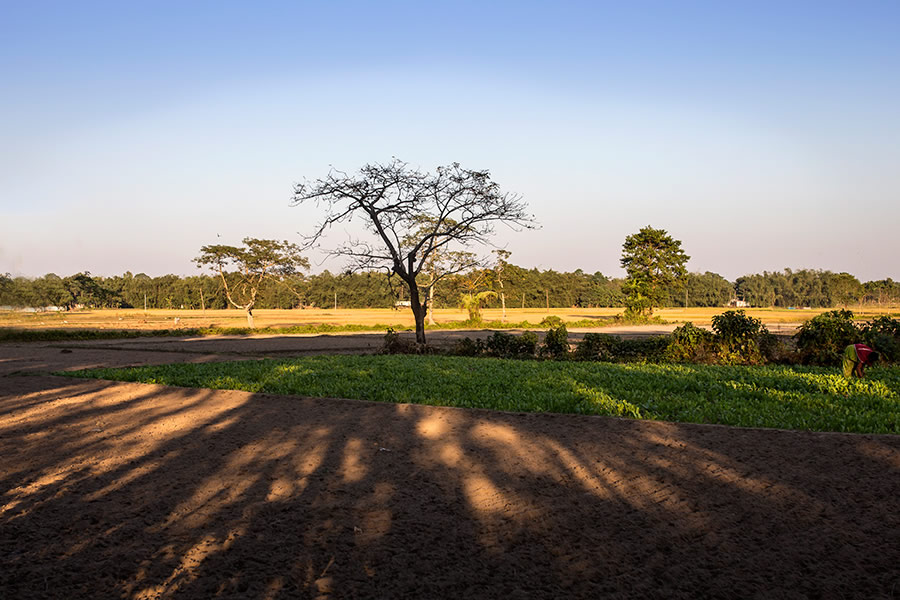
(114, 490)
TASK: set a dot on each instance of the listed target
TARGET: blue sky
(762, 135)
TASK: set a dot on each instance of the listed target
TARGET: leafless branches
(418, 221)
(451, 206)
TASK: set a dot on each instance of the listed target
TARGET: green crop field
(803, 398)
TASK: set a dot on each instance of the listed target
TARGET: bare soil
(114, 490)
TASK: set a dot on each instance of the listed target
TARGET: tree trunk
(431, 305)
(418, 312)
(249, 317)
(503, 304)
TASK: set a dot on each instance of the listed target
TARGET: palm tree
(473, 303)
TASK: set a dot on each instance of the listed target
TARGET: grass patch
(804, 398)
(13, 334)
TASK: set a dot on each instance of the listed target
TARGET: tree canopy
(372, 289)
(256, 262)
(412, 218)
(654, 262)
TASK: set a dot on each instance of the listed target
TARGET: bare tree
(412, 217)
(499, 268)
(258, 261)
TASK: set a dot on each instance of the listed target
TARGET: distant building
(735, 303)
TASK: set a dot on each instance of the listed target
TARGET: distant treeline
(528, 288)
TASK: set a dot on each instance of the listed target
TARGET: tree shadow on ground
(142, 491)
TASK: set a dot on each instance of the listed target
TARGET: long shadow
(672, 510)
(200, 494)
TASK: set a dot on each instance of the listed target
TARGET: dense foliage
(822, 339)
(701, 289)
(690, 343)
(527, 288)
(736, 339)
(883, 334)
(612, 348)
(251, 264)
(556, 342)
(655, 264)
(816, 289)
(806, 398)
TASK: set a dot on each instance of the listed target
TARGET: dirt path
(139, 491)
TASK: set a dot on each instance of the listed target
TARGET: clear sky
(763, 135)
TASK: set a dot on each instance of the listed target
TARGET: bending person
(856, 358)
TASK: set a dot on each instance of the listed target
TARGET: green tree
(702, 289)
(473, 302)
(843, 289)
(449, 211)
(654, 262)
(884, 291)
(757, 290)
(84, 290)
(257, 262)
(50, 290)
(500, 268)
(472, 299)
(7, 289)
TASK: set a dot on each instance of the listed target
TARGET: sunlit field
(275, 318)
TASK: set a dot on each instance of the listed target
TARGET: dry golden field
(166, 319)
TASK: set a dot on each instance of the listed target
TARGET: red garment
(863, 352)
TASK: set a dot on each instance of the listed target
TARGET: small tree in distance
(438, 263)
(654, 261)
(499, 274)
(256, 262)
(472, 299)
(412, 217)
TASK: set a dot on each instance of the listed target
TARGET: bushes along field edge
(736, 339)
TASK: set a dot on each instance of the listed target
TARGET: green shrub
(505, 345)
(883, 335)
(528, 343)
(468, 347)
(738, 338)
(651, 349)
(610, 348)
(822, 339)
(596, 346)
(551, 321)
(690, 343)
(394, 344)
(735, 327)
(556, 342)
(634, 316)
